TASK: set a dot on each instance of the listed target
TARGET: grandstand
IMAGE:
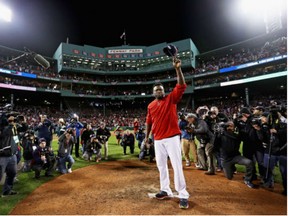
(110, 79)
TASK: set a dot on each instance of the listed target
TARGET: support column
(247, 97)
(12, 100)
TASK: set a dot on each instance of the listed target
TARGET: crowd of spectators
(86, 83)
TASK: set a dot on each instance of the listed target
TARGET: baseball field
(120, 186)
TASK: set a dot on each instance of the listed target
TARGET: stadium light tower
(5, 13)
(270, 10)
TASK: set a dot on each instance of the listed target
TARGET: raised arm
(177, 66)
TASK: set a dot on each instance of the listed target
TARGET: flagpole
(123, 36)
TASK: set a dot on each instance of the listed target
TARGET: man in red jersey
(136, 126)
(162, 122)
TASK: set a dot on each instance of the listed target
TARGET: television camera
(6, 112)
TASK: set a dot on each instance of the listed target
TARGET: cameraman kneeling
(128, 140)
(228, 143)
(147, 149)
(66, 142)
(43, 159)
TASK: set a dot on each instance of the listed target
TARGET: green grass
(28, 184)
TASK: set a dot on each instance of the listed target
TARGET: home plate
(153, 195)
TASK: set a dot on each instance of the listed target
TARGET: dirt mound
(122, 187)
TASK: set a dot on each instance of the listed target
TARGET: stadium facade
(124, 75)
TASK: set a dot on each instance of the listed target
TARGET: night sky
(41, 25)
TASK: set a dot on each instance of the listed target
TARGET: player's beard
(159, 96)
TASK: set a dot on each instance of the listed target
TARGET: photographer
(43, 159)
(29, 144)
(61, 127)
(103, 135)
(77, 126)
(140, 136)
(206, 139)
(258, 121)
(248, 135)
(22, 125)
(228, 144)
(65, 141)
(93, 147)
(86, 135)
(147, 149)
(118, 134)
(215, 121)
(128, 140)
(274, 139)
(187, 141)
(8, 149)
(45, 129)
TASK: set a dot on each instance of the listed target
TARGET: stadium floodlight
(268, 10)
(5, 13)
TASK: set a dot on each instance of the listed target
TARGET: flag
(123, 34)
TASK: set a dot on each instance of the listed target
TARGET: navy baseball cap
(170, 50)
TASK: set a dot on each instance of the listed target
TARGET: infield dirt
(122, 187)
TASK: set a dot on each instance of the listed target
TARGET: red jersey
(136, 126)
(162, 114)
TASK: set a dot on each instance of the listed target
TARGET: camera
(211, 113)
(103, 139)
(20, 118)
(70, 131)
(274, 109)
(5, 113)
(256, 121)
(73, 120)
(181, 115)
(29, 133)
(49, 155)
(219, 127)
(190, 128)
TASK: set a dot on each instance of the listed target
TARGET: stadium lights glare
(260, 6)
(5, 13)
(267, 10)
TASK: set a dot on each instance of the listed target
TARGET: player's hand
(176, 62)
